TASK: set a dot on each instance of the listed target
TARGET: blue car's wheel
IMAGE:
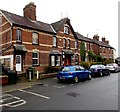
(76, 79)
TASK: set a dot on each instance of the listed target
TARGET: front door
(18, 63)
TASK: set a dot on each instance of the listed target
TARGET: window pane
(35, 58)
(57, 60)
(52, 60)
(66, 30)
(64, 43)
(19, 34)
(54, 40)
(35, 55)
(76, 59)
(35, 61)
(68, 43)
(35, 38)
(76, 45)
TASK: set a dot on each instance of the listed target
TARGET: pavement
(21, 84)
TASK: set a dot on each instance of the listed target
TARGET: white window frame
(68, 43)
(54, 41)
(76, 44)
(35, 58)
(35, 37)
(66, 29)
(58, 61)
(19, 35)
(64, 43)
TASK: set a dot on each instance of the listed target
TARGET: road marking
(59, 86)
(16, 103)
(11, 103)
(34, 94)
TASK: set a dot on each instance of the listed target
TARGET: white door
(18, 63)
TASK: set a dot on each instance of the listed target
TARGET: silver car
(113, 67)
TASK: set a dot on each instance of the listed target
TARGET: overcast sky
(87, 16)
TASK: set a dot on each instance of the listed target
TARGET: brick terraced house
(28, 42)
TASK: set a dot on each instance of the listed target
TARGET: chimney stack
(30, 11)
(96, 37)
(103, 39)
(107, 42)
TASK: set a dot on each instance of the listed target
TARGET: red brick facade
(46, 53)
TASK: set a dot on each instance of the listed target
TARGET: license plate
(62, 78)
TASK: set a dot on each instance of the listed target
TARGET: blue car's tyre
(76, 80)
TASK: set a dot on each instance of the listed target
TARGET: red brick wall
(45, 45)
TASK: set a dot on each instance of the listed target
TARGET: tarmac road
(97, 94)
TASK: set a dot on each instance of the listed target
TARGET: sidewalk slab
(20, 85)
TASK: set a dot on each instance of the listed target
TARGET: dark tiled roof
(103, 44)
(25, 22)
(57, 25)
(100, 43)
(83, 38)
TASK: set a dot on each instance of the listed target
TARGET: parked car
(113, 67)
(74, 73)
(99, 70)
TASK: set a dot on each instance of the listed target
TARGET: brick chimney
(107, 42)
(96, 37)
(103, 39)
(30, 11)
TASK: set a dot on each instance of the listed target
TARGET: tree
(82, 51)
(91, 55)
(99, 58)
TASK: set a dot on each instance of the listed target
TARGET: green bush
(93, 63)
(85, 64)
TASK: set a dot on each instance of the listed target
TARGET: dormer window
(66, 29)
(18, 35)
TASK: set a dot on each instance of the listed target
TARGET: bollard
(37, 75)
(29, 75)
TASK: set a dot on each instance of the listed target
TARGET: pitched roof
(57, 25)
(83, 38)
(25, 22)
(100, 43)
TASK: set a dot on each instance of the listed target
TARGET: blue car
(74, 73)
